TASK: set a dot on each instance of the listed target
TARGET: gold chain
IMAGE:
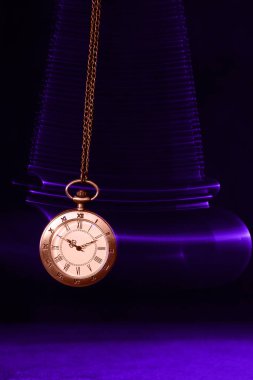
(90, 87)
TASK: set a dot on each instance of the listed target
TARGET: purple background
(221, 36)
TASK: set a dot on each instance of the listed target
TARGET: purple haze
(127, 352)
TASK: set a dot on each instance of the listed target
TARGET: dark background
(221, 39)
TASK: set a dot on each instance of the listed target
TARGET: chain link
(90, 87)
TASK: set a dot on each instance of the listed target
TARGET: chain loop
(80, 199)
(90, 87)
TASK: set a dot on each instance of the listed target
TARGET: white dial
(78, 248)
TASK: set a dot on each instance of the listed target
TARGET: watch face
(78, 248)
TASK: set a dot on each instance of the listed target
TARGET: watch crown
(81, 194)
(80, 199)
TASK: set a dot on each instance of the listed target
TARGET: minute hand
(87, 244)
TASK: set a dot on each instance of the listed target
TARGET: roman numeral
(80, 224)
(49, 263)
(111, 250)
(58, 258)
(89, 267)
(45, 246)
(59, 275)
(80, 215)
(78, 270)
(67, 227)
(66, 267)
(64, 218)
(98, 259)
(51, 230)
(101, 248)
(56, 247)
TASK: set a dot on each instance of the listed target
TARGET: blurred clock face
(78, 248)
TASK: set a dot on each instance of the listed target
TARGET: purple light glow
(127, 352)
(177, 197)
(191, 238)
(215, 185)
(130, 201)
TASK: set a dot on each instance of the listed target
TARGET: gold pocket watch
(78, 247)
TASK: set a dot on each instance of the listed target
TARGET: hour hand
(71, 242)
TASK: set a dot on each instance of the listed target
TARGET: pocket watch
(78, 247)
